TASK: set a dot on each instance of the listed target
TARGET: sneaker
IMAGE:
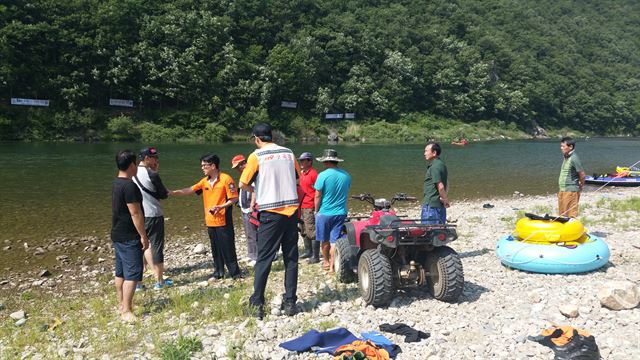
(252, 263)
(238, 277)
(159, 286)
(289, 308)
(139, 287)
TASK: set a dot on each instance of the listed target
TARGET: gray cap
(305, 156)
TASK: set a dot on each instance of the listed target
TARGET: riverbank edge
(180, 127)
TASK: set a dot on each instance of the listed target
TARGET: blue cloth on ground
(376, 337)
(382, 341)
(320, 342)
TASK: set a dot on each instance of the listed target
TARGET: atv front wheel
(342, 261)
(446, 277)
(375, 278)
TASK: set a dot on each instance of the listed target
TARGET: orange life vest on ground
(360, 350)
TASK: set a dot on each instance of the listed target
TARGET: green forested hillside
(215, 67)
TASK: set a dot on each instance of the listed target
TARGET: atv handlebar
(370, 199)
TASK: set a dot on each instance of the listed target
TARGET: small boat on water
(612, 180)
(461, 142)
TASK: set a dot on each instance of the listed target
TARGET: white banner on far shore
(333, 116)
(29, 102)
(349, 115)
(121, 102)
(289, 104)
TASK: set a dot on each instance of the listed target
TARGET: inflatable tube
(589, 254)
(612, 180)
(548, 231)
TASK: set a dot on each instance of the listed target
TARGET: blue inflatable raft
(557, 258)
(612, 180)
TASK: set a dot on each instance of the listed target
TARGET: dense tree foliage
(218, 65)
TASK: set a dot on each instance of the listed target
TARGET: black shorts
(154, 226)
(128, 259)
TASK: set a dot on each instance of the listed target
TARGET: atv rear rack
(412, 232)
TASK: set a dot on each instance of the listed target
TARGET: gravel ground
(498, 309)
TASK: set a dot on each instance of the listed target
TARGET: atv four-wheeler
(389, 252)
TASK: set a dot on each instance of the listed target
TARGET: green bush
(184, 119)
(77, 124)
(5, 128)
(154, 133)
(121, 128)
(353, 132)
(388, 132)
(215, 133)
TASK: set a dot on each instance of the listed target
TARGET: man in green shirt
(571, 180)
(435, 202)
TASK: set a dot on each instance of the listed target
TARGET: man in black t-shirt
(127, 232)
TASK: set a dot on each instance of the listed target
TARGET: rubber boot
(307, 248)
(315, 257)
(326, 250)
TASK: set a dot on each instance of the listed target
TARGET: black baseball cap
(262, 131)
(148, 151)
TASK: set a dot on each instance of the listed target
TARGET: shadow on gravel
(601, 234)
(471, 293)
(473, 253)
(189, 268)
(156, 306)
(343, 295)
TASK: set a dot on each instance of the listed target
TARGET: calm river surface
(64, 190)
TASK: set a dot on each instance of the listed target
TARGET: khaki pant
(308, 228)
(568, 203)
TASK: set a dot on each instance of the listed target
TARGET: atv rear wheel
(445, 280)
(375, 278)
(342, 261)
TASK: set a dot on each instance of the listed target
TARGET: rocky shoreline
(498, 309)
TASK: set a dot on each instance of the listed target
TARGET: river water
(54, 190)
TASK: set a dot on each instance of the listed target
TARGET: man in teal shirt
(332, 189)
(571, 180)
(435, 202)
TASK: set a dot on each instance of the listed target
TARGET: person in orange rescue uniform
(219, 193)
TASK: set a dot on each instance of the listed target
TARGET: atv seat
(387, 220)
